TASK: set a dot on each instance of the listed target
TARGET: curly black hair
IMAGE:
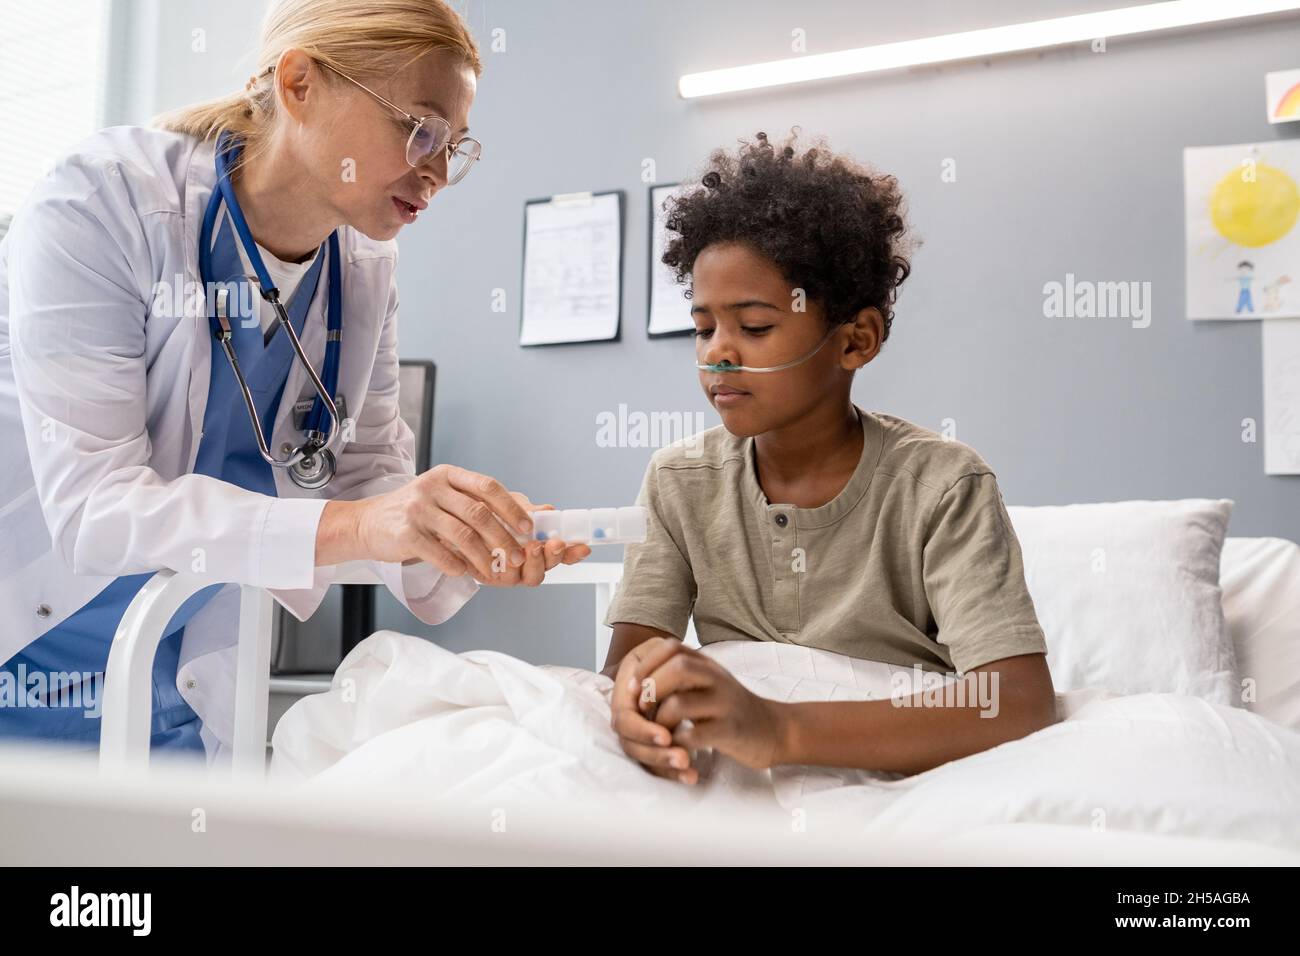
(832, 226)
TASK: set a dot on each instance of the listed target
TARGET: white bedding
(483, 726)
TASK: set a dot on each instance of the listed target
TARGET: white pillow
(1260, 578)
(1128, 595)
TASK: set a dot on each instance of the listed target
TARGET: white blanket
(403, 712)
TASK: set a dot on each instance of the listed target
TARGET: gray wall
(1067, 161)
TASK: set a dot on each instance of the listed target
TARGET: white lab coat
(101, 406)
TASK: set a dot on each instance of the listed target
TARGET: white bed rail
(128, 679)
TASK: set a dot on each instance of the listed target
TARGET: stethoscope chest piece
(314, 470)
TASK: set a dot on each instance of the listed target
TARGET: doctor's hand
(448, 516)
(539, 557)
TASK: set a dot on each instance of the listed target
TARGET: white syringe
(590, 525)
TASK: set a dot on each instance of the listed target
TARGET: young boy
(805, 519)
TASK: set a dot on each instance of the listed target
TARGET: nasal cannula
(728, 367)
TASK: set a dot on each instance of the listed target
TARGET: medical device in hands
(590, 525)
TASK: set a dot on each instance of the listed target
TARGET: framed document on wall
(669, 311)
(573, 259)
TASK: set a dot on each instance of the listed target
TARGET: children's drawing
(1241, 206)
(1282, 95)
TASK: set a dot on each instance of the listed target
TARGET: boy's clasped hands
(661, 683)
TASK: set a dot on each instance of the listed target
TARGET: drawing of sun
(1255, 210)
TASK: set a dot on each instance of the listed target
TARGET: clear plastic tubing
(590, 526)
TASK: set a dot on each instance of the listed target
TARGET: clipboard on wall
(572, 287)
(668, 311)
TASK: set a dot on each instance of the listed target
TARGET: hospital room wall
(1067, 162)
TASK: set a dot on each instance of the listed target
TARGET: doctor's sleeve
(974, 577)
(658, 587)
(81, 289)
(378, 457)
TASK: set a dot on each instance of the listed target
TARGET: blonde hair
(371, 38)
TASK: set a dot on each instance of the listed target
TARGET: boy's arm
(882, 735)
(975, 583)
(904, 735)
(657, 590)
(627, 636)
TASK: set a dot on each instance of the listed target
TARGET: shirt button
(42, 610)
(191, 684)
(286, 449)
(782, 520)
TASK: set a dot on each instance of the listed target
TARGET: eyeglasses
(429, 134)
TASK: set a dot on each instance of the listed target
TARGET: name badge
(303, 406)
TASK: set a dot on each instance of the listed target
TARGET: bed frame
(57, 811)
(128, 679)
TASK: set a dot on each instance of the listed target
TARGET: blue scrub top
(58, 678)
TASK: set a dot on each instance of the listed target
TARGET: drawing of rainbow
(1289, 104)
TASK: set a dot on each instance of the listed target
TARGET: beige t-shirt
(913, 562)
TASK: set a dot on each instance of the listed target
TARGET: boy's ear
(867, 330)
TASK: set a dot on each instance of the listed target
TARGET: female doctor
(199, 370)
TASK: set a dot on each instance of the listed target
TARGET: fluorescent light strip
(992, 41)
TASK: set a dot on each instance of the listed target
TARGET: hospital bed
(127, 698)
(266, 823)
(52, 818)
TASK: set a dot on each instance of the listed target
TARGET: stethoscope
(312, 464)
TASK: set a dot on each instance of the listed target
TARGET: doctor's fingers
(574, 553)
(535, 565)
(487, 490)
(483, 519)
(437, 525)
(439, 555)
(481, 530)
(557, 552)
(507, 576)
